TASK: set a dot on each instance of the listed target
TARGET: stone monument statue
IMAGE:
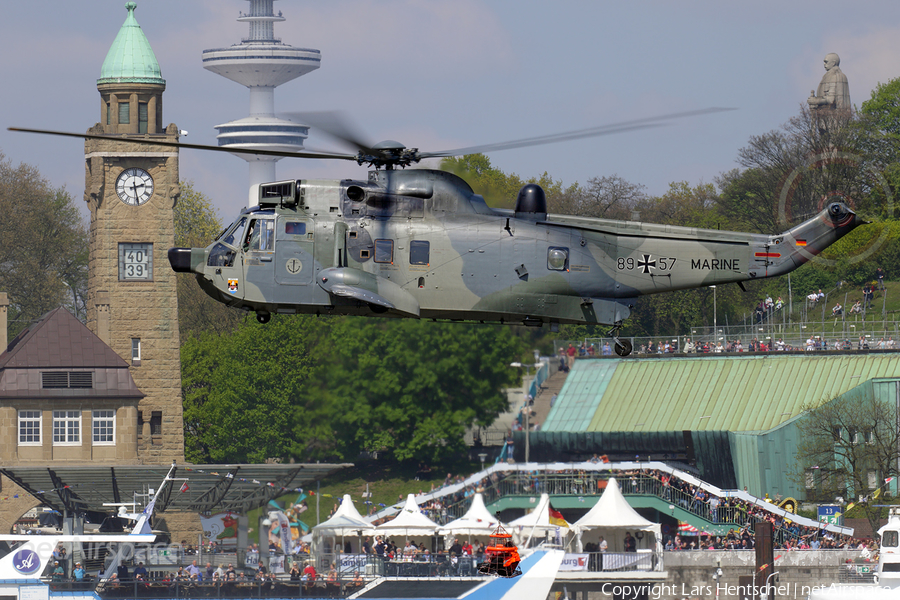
(830, 103)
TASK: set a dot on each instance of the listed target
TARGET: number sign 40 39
(135, 262)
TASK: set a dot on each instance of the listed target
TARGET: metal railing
(521, 483)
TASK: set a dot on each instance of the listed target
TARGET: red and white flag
(184, 487)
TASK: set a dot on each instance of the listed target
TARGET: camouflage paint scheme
(347, 247)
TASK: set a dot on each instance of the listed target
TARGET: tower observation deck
(261, 62)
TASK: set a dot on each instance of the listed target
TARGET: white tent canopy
(478, 520)
(345, 521)
(536, 524)
(612, 517)
(409, 522)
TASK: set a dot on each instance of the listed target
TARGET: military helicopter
(420, 243)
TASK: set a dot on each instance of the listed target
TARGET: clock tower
(131, 190)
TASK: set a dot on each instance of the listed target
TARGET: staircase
(550, 388)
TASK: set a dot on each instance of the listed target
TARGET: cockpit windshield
(235, 233)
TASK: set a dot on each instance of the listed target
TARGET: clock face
(134, 186)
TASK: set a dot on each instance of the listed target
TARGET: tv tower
(261, 63)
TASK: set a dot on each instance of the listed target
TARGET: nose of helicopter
(180, 259)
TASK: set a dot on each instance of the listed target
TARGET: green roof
(738, 393)
(130, 58)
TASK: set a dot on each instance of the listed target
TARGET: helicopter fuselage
(420, 243)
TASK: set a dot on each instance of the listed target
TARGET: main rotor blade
(336, 124)
(635, 124)
(232, 149)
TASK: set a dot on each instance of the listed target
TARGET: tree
(790, 173)
(879, 121)
(610, 197)
(196, 225)
(43, 246)
(498, 189)
(241, 390)
(409, 389)
(847, 446)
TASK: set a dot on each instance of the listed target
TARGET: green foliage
(322, 388)
(242, 390)
(498, 189)
(411, 388)
(43, 246)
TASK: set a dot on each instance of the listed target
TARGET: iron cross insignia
(647, 264)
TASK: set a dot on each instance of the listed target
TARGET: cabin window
(66, 427)
(419, 252)
(295, 228)
(558, 259)
(890, 539)
(220, 256)
(384, 251)
(104, 427)
(260, 235)
(29, 428)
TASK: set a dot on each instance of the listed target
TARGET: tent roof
(346, 520)
(409, 521)
(612, 510)
(478, 519)
(539, 518)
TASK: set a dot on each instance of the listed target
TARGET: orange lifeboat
(501, 558)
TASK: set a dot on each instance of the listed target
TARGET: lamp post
(764, 593)
(715, 320)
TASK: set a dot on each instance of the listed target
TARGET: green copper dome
(130, 58)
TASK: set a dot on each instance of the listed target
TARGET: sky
(443, 74)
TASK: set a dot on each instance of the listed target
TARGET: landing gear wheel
(264, 317)
(623, 347)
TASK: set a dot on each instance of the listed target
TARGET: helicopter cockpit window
(557, 259)
(235, 232)
(384, 251)
(419, 252)
(220, 256)
(260, 235)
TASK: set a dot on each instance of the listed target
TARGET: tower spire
(261, 62)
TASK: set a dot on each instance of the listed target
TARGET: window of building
(419, 253)
(103, 428)
(837, 433)
(124, 115)
(384, 251)
(66, 427)
(142, 117)
(108, 115)
(557, 259)
(156, 427)
(853, 435)
(136, 352)
(870, 436)
(29, 428)
(872, 479)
